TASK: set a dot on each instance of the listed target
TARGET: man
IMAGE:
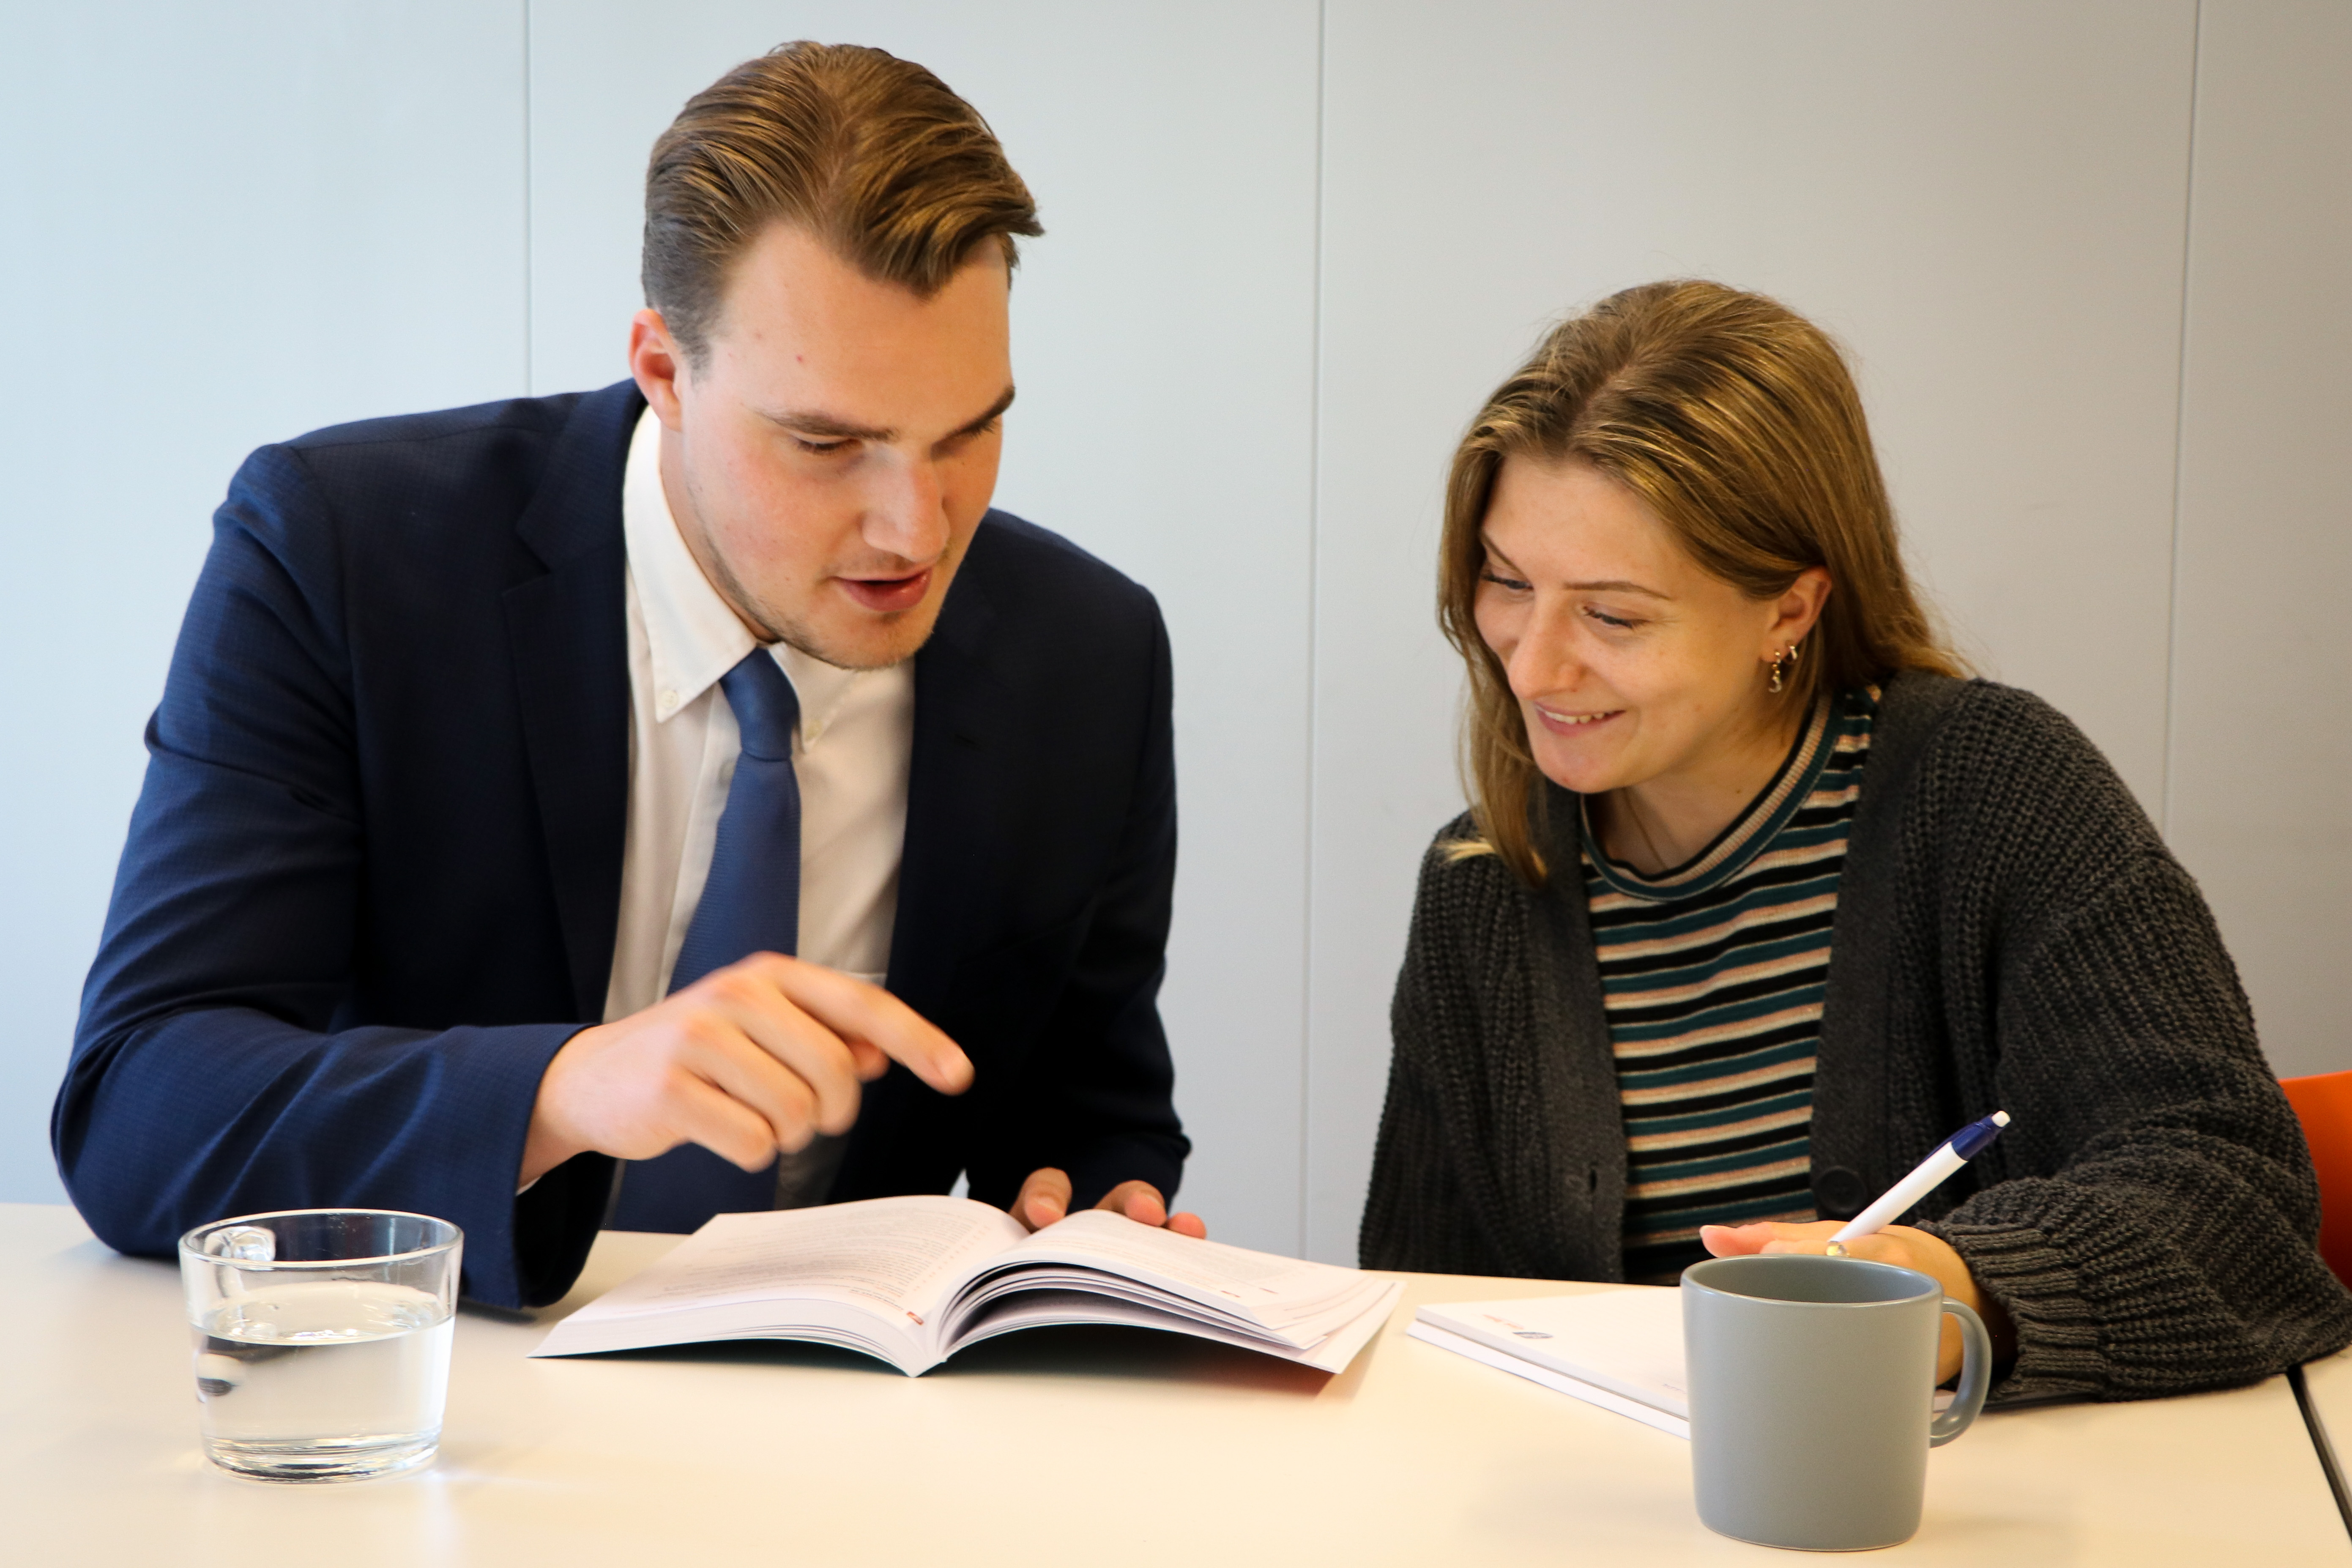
(551, 784)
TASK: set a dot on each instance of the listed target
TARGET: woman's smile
(1561, 722)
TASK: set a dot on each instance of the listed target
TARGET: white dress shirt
(856, 731)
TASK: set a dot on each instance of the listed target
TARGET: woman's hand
(1897, 1244)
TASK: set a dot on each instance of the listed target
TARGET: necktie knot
(766, 709)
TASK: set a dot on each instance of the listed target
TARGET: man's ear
(657, 363)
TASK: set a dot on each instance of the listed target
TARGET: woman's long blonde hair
(1736, 421)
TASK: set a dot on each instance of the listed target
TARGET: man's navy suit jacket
(373, 879)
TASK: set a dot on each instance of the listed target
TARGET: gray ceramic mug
(1812, 1397)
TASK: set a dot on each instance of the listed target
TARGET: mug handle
(1975, 1376)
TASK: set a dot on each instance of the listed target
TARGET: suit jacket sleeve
(209, 1077)
(1096, 1098)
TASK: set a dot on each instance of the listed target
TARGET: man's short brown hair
(870, 154)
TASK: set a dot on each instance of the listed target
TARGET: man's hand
(1046, 1198)
(1897, 1244)
(749, 1059)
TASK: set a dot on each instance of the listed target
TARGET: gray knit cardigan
(2010, 933)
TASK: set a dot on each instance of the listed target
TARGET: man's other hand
(1046, 1198)
(749, 1059)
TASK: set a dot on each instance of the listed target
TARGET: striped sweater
(1712, 978)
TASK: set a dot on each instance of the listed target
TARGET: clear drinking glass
(321, 1340)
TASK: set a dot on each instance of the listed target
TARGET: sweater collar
(1732, 850)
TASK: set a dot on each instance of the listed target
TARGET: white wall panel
(1163, 343)
(1985, 202)
(2261, 716)
(227, 225)
(234, 223)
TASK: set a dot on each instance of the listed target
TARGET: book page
(891, 1255)
(1038, 1308)
(1278, 1292)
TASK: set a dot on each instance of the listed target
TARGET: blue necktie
(750, 903)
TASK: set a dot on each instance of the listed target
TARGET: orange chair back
(2323, 1102)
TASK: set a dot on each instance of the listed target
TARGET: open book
(914, 1280)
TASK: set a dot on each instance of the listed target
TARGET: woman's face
(1632, 665)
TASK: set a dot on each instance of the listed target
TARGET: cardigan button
(1839, 1194)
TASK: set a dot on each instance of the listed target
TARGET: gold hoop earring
(1776, 668)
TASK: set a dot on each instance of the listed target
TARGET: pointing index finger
(860, 1012)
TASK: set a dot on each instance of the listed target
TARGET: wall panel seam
(1314, 595)
(2180, 421)
(529, 202)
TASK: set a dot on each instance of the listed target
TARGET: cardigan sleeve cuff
(2058, 1350)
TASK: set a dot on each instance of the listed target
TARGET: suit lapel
(955, 766)
(567, 629)
(950, 774)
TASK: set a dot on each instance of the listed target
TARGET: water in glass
(321, 1379)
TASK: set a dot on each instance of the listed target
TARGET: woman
(1759, 900)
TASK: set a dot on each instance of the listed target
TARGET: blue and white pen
(1932, 1172)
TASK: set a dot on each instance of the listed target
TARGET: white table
(2327, 1384)
(1058, 1446)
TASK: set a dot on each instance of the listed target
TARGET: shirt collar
(691, 634)
(693, 637)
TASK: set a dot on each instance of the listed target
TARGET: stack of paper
(1621, 1349)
